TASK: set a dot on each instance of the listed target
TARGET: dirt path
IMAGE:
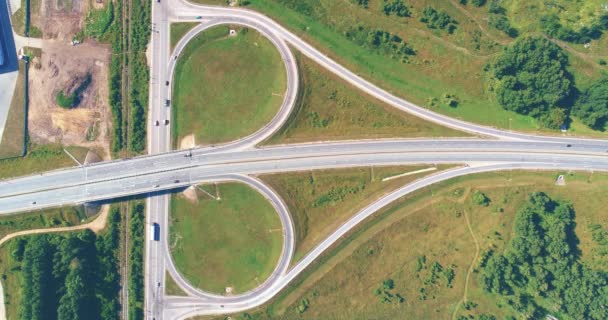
(96, 226)
(466, 282)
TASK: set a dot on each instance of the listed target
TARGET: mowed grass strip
(320, 201)
(431, 223)
(233, 242)
(39, 158)
(178, 30)
(330, 109)
(226, 87)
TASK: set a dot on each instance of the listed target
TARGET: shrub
(480, 198)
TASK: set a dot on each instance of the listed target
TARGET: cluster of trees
(501, 22)
(136, 262)
(592, 105)
(533, 79)
(542, 261)
(382, 42)
(438, 19)
(552, 26)
(396, 7)
(73, 100)
(139, 74)
(70, 277)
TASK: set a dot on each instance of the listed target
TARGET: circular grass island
(226, 86)
(225, 246)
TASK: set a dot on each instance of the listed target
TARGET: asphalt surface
(162, 170)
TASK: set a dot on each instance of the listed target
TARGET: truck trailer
(155, 232)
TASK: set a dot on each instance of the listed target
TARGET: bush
(396, 7)
(501, 23)
(478, 3)
(381, 42)
(480, 198)
(362, 3)
(601, 62)
(532, 77)
(552, 26)
(438, 19)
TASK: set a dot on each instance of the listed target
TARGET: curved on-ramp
(284, 259)
(292, 80)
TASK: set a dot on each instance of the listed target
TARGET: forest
(540, 271)
(70, 276)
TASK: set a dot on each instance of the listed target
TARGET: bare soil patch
(59, 19)
(187, 142)
(86, 125)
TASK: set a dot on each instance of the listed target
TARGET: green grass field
(320, 201)
(226, 87)
(442, 224)
(330, 109)
(444, 63)
(178, 30)
(171, 288)
(234, 242)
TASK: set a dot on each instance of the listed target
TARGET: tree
(532, 77)
(592, 106)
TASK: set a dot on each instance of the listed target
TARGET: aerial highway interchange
(164, 170)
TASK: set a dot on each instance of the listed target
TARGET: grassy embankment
(330, 109)
(233, 242)
(438, 224)
(244, 81)
(178, 30)
(444, 63)
(321, 200)
(41, 158)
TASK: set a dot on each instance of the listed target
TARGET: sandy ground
(54, 71)
(60, 19)
(190, 194)
(7, 87)
(187, 142)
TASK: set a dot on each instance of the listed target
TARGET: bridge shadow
(141, 196)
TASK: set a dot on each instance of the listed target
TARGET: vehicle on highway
(167, 102)
(156, 123)
(156, 185)
(166, 121)
(166, 83)
(155, 232)
(198, 17)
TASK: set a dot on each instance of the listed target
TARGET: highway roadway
(163, 170)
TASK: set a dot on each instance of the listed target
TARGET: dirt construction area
(59, 68)
(60, 19)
